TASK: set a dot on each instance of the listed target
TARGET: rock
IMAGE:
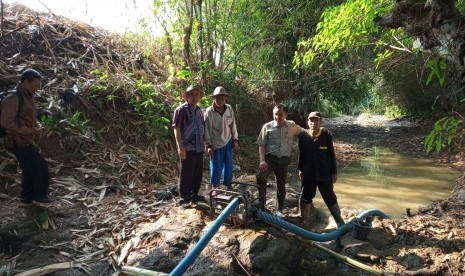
(461, 194)
(365, 250)
(263, 251)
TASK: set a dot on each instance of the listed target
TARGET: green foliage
(148, 103)
(48, 122)
(272, 33)
(328, 107)
(404, 86)
(65, 124)
(184, 74)
(76, 122)
(341, 91)
(102, 83)
(205, 101)
(346, 26)
(395, 111)
(321, 53)
(101, 74)
(461, 5)
(371, 103)
(443, 133)
(247, 141)
(438, 69)
(380, 57)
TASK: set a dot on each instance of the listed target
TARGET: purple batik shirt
(192, 125)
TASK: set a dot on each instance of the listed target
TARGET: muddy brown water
(391, 183)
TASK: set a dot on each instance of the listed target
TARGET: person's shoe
(230, 188)
(197, 198)
(43, 199)
(26, 201)
(306, 212)
(269, 184)
(336, 213)
(185, 205)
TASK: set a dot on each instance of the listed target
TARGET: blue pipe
(317, 236)
(195, 252)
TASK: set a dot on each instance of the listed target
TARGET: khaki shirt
(220, 129)
(23, 134)
(278, 140)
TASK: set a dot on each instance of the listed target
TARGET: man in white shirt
(221, 138)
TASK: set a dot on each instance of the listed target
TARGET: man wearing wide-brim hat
(221, 138)
(188, 125)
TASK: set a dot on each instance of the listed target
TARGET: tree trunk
(437, 25)
(169, 41)
(1, 22)
(186, 39)
(200, 29)
(223, 35)
(170, 47)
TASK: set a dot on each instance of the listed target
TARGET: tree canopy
(392, 57)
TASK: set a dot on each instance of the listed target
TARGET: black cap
(314, 114)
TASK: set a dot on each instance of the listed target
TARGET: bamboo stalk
(48, 269)
(346, 259)
(60, 266)
(135, 271)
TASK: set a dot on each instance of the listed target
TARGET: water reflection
(392, 182)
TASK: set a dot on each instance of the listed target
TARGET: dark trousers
(279, 166)
(35, 174)
(190, 177)
(308, 189)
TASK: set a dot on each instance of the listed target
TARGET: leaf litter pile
(106, 166)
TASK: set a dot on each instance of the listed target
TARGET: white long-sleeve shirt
(219, 129)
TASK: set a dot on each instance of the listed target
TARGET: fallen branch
(241, 265)
(17, 29)
(60, 266)
(49, 269)
(132, 243)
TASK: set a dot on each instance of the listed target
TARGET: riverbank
(427, 241)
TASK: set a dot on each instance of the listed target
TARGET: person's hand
(263, 166)
(301, 174)
(210, 151)
(334, 178)
(235, 145)
(182, 153)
